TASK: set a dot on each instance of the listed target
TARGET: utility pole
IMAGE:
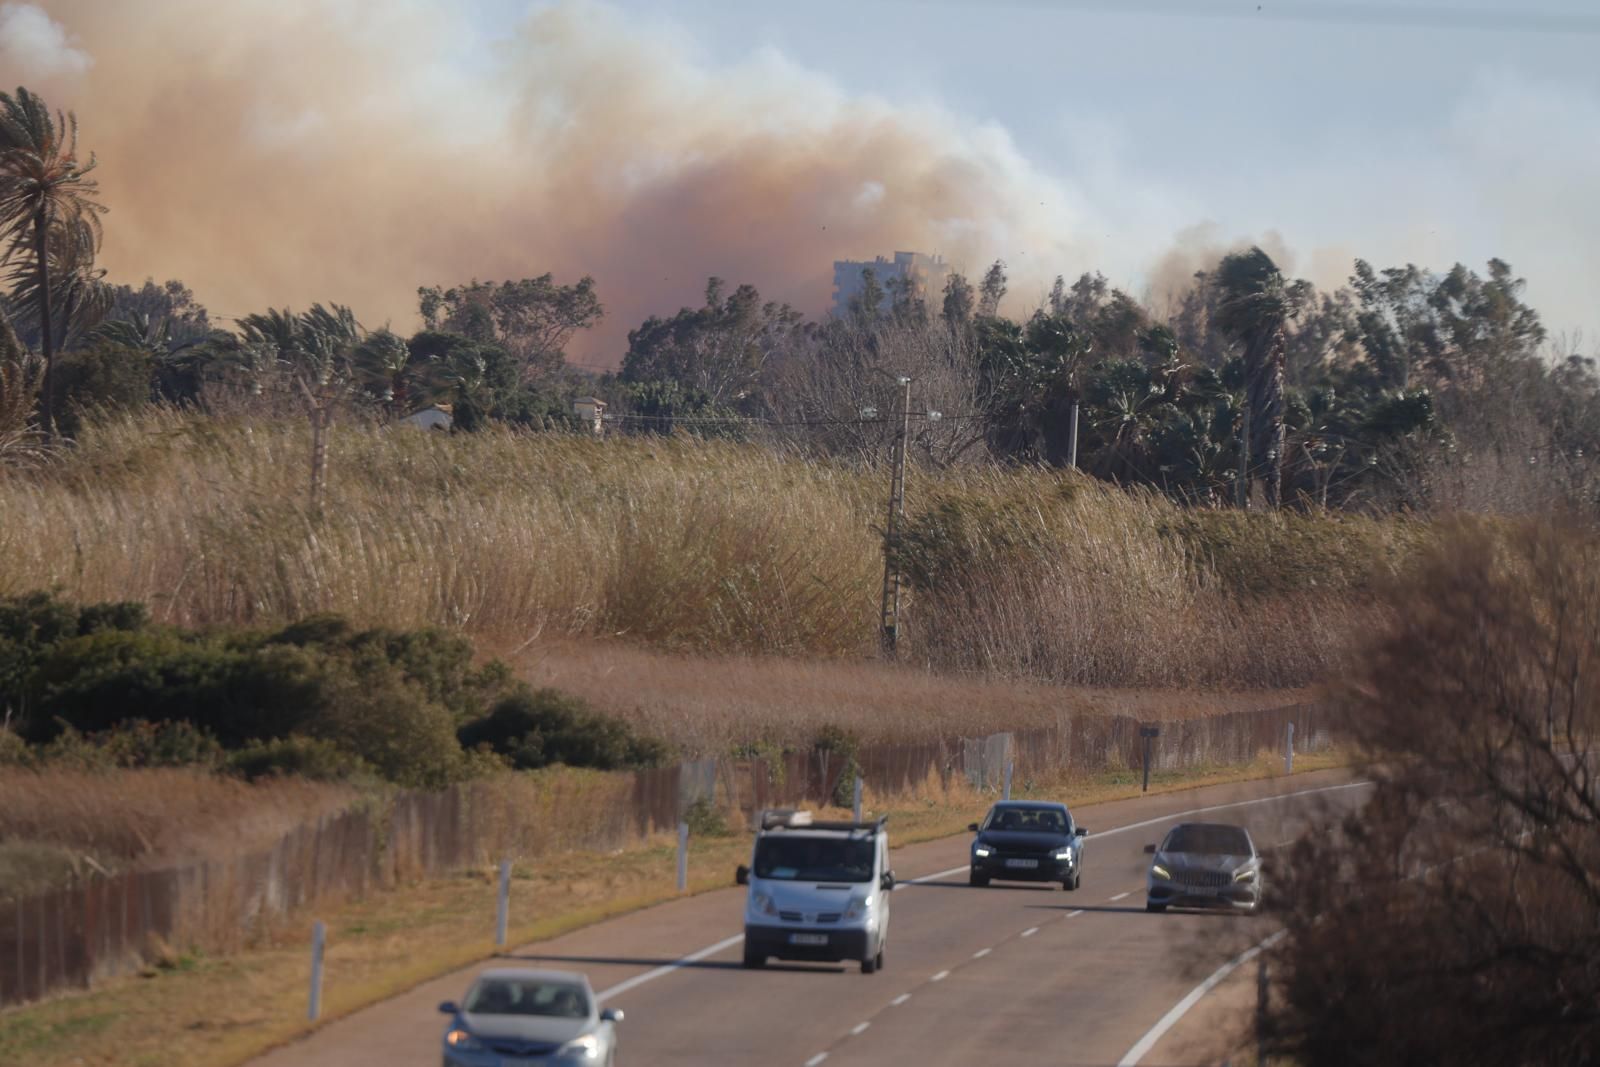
(889, 614)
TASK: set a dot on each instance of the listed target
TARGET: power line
(1407, 16)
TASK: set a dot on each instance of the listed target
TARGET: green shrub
(136, 743)
(842, 747)
(390, 724)
(105, 379)
(304, 757)
(705, 819)
(537, 728)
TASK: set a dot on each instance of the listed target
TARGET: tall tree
(717, 350)
(43, 185)
(959, 301)
(533, 319)
(992, 290)
(1256, 303)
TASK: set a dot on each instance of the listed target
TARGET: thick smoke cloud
(275, 152)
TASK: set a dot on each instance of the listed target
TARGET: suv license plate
(1027, 864)
(808, 939)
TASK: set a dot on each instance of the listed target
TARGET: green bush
(304, 757)
(390, 724)
(537, 728)
(104, 379)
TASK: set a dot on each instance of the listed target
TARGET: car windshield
(528, 996)
(815, 859)
(1026, 820)
(1208, 840)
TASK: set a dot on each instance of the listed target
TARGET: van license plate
(1028, 864)
(808, 939)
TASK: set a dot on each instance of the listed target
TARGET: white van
(818, 891)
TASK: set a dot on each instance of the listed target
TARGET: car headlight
(1246, 875)
(1064, 856)
(1161, 872)
(764, 904)
(587, 1047)
(461, 1039)
(981, 851)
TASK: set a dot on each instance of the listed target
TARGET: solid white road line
(1180, 1009)
(650, 976)
(1123, 896)
(729, 942)
(859, 1029)
(901, 999)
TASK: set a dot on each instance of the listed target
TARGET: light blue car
(513, 1017)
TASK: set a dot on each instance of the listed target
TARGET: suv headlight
(459, 1038)
(586, 1047)
(1246, 875)
(1064, 856)
(1161, 872)
(980, 851)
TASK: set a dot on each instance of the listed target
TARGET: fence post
(502, 913)
(319, 937)
(1288, 751)
(683, 856)
(855, 807)
(1009, 766)
(1148, 732)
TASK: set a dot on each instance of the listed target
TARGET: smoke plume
(274, 152)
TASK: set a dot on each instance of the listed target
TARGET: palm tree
(43, 186)
(1255, 304)
(78, 294)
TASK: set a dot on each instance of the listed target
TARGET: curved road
(971, 975)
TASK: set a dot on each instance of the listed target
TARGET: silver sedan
(512, 1017)
(1204, 865)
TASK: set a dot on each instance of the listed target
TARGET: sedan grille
(1202, 879)
(508, 1046)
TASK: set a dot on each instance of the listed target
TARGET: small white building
(432, 417)
(591, 411)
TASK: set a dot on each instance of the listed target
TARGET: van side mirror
(449, 1008)
(741, 875)
(887, 881)
(611, 1015)
(972, 826)
(1150, 850)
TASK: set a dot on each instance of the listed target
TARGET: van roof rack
(790, 819)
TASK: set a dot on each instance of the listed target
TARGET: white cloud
(36, 46)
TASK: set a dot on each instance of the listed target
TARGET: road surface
(971, 975)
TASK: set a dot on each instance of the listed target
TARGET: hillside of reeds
(689, 546)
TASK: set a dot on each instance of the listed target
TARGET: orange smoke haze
(279, 152)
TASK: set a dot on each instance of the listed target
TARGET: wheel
(976, 879)
(869, 965)
(753, 960)
(1151, 905)
(1074, 882)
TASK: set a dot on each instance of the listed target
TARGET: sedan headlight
(1161, 872)
(981, 851)
(587, 1047)
(461, 1039)
(1248, 874)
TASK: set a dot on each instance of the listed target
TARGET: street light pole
(889, 613)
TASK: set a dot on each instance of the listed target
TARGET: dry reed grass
(708, 704)
(687, 545)
(145, 817)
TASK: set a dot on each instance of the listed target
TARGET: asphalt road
(971, 975)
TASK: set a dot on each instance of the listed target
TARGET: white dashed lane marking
(1120, 896)
(818, 1058)
(901, 999)
(982, 952)
(1030, 931)
(941, 976)
(860, 1028)
(1073, 914)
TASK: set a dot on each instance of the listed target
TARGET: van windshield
(815, 859)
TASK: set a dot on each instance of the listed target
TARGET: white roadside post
(1009, 766)
(502, 915)
(683, 856)
(1288, 752)
(855, 806)
(319, 937)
